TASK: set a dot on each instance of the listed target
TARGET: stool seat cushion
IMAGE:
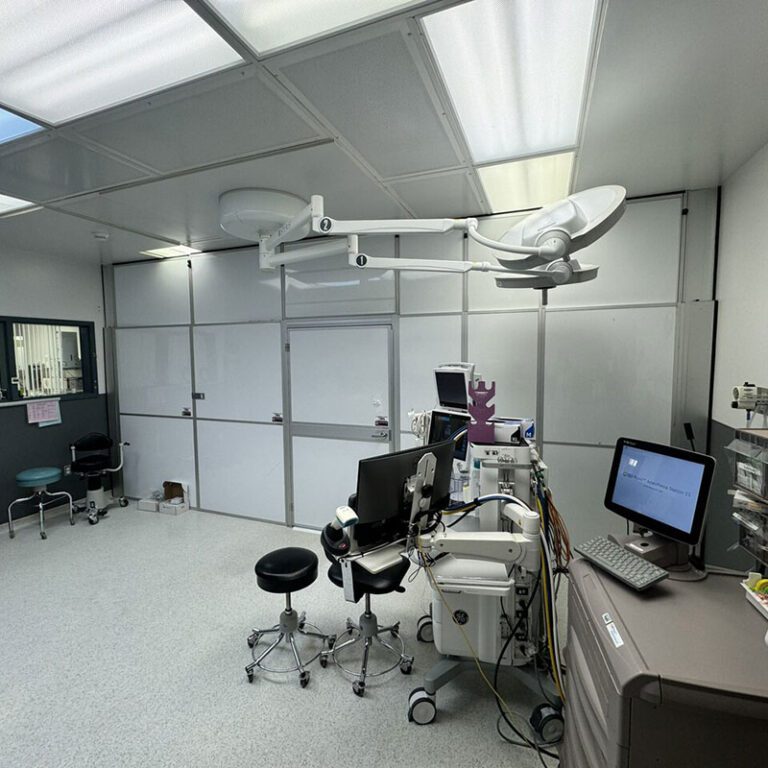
(38, 476)
(286, 570)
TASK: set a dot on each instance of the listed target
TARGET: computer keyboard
(623, 565)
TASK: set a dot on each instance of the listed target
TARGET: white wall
(50, 287)
(610, 354)
(742, 280)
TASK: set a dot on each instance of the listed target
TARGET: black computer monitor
(383, 505)
(661, 488)
(445, 424)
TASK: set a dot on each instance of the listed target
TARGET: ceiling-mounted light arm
(545, 239)
(554, 244)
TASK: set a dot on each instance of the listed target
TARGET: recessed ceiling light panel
(61, 60)
(528, 183)
(268, 25)
(8, 204)
(171, 250)
(13, 127)
(516, 72)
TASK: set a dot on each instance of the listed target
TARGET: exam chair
(339, 545)
(91, 459)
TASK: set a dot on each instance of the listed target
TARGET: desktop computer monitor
(383, 503)
(660, 488)
(445, 424)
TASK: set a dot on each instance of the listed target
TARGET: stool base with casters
(291, 625)
(285, 571)
(38, 480)
(368, 632)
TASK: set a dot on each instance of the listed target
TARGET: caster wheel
(12, 534)
(421, 707)
(331, 642)
(93, 519)
(406, 667)
(350, 625)
(304, 679)
(358, 688)
(424, 630)
(547, 723)
(323, 661)
(122, 501)
(43, 535)
(250, 677)
(253, 640)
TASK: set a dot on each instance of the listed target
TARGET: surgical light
(516, 72)
(539, 247)
(61, 60)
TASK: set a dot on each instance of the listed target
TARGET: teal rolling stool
(39, 478)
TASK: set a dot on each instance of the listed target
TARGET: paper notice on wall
(44, 413)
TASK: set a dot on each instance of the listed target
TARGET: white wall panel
(152, 293)
(483, 293)
(239, 369)
(154, 371)
(638, 259)
(340, 375)
(578, 476)
(328, 287)
(504, 349)
(229, 287)
(742, 277)
(324, 476)
(161, 449)
(423, 292)
(425, 343)
(609, 373)
(241, 469)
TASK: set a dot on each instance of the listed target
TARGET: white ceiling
(679, 101)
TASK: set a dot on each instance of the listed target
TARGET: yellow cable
(550, 638)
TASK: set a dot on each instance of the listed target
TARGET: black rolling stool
(285, 571)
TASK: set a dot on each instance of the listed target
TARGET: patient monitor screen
(451, 389)
(661, 488)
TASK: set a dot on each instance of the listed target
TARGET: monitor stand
(674, 556)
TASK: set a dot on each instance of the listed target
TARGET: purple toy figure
(481, 429)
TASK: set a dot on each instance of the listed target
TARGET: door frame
(335, 431)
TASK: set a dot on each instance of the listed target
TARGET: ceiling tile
(440, 195)
(228, 116)
(185, 208)
(52, 233)
(680, 97)
(55, 167)
(373, 93)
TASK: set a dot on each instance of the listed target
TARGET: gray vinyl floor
(123, 644)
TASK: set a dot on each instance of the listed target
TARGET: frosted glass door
(340, 375)
(341, 384)
(324, 475)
